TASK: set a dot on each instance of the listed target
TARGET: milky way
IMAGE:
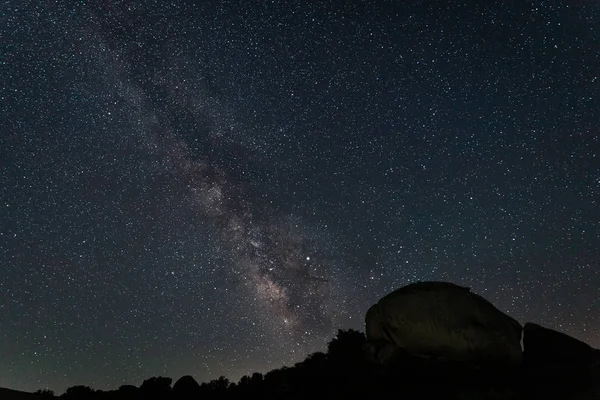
(277, 259)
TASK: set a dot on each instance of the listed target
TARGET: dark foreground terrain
(344, 372)
(426, 340)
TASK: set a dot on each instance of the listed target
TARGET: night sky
(215, 190)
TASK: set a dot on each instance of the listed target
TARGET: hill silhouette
(552, 366)
(10, 394)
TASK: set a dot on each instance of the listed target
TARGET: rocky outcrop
(550, 348)
(441, 320)
(446, 334)
(186, 387)
(556, 365)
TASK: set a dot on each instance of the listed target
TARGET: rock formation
(547, 347)
(442, 321)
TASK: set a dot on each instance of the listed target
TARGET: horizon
(234, 378)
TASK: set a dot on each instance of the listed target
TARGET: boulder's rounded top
(428, 285)
(434, 286)
(443, 319)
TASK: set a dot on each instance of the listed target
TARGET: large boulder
(443, 321)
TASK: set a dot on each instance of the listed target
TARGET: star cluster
(214, 189)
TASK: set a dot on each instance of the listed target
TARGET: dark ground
(343, 372)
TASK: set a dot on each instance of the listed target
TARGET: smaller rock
(549, 348)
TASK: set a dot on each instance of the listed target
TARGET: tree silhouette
(44, 393)
(128, 392)
(348, 369)
(79, 392)
(347, 346)
(156, 388)
(217, 387)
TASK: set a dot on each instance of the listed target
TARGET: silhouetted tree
(79, 392)
(347, 365)
(128, 392)
(156, 388)
(217, 387)
(45, 393)
(249, 386)
(314, 361)
(279, 382)
(347, 346)
(312, 375)
(256, 378)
